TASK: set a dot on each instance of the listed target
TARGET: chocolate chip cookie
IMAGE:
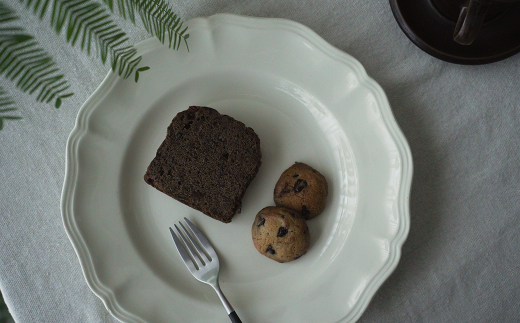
(280, 233)
(301, 188)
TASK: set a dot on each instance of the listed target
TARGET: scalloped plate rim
(80, 129)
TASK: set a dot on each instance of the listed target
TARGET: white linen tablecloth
(461, 261)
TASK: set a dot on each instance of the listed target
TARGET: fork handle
(229, 309)
(234, 317)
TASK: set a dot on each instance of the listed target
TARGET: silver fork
(201, 260)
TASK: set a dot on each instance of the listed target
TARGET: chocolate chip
(270, 250)
(305, 212)
(261, 221)
(300, 185)
(282, 231)
(295, 175)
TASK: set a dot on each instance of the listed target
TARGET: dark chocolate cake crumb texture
(207, 161)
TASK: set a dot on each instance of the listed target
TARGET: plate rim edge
(111, 79)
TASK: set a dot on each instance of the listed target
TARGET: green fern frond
(6, 107)
(26, 64)
(84, 23)
(88, 24)
(158, 19)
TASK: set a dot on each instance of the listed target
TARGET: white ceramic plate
(308, 102)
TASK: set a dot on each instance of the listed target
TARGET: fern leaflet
(88, 24)
(6, 106)
(26, 64)
(158, 19)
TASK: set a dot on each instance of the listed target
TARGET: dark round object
(430, 25)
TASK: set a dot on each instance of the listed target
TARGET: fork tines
(194, 248)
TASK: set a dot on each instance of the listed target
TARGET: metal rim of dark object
(432, 31)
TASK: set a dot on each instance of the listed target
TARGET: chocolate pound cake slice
(207, 161)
